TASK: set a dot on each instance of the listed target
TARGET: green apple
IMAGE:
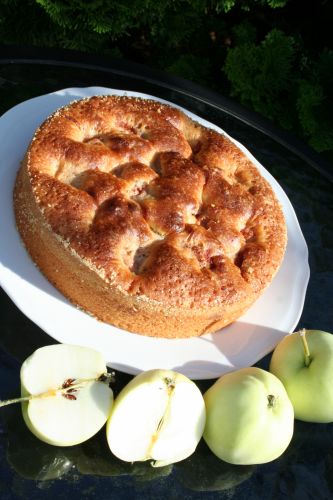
(159, 415)
(303, 361)
(66, 399)
(250, 419)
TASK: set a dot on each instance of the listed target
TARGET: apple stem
(307, 357)
(67, 389)
(6, 402)
(271, 400)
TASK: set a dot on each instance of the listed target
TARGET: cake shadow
(227, 350)
(239, 347)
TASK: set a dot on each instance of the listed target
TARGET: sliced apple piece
(159, 415)
(70, 400)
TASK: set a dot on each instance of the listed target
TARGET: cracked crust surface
(146, 219)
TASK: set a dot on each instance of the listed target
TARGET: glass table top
(31, 469)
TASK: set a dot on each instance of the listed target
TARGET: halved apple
(70, 400)
(159, 415)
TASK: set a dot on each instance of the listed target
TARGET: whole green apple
(303, 361)
(249, 417)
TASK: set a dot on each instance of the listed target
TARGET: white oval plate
(241, 344)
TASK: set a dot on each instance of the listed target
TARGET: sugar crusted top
(160, 206)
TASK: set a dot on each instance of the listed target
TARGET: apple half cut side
(159, 415)
(70, 399)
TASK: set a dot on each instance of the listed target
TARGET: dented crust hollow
(146, 219)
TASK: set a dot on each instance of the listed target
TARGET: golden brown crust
(146, 219)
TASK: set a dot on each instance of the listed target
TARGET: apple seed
(66, 390)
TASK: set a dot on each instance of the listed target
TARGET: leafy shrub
(262, 52)
(261, 75)
(275, 80)
(315, 104)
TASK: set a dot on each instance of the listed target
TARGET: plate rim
(89, 91)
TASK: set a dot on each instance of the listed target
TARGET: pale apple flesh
(249, 417)
(59, 417)
(308, 383)
(158, 416)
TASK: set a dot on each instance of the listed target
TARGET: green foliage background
(273, 56)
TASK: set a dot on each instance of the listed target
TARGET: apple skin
(242, 427)
(310, 388)
(159, 415)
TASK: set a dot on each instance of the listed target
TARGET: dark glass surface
(30, 469)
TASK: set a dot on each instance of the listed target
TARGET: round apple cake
(146, 219)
